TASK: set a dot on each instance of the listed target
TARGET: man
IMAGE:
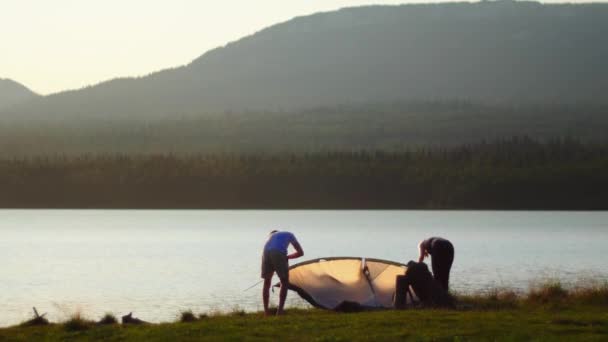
(442, 256)
(275, 259)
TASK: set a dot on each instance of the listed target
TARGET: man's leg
(283, 294)
(267, 272)
(281, 265)
(266, 293)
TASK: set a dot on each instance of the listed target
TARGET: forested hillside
(390, 127)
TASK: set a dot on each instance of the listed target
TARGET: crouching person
(428, 290)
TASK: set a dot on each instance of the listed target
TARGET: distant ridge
(12, 93)
(489, 52)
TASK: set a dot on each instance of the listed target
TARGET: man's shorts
(275, 261)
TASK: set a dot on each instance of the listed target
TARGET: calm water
(156, 263)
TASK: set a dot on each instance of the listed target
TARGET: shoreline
(548, 312)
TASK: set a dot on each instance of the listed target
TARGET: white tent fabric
(327, 283)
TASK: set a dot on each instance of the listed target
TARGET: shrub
(108, 319)
(77, 323)
(187, 316)
(595, 294)
(36, 320)
(550, 292)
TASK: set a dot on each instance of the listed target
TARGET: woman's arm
(422, 251)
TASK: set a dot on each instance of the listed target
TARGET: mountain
(12, 93)
(501, 52)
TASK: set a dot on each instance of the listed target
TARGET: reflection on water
(157, 263)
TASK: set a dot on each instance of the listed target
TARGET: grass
(550, 293)
(495, 299)
(548, 312)
(577, 323)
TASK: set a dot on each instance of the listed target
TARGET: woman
(442, 256)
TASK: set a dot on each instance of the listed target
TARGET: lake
(157, 263)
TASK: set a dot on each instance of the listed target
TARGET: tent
(329, 283)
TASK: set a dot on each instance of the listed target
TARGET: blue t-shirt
(280, 241)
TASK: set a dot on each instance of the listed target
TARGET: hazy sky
(53, 45)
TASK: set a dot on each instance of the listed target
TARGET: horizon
(93, 54)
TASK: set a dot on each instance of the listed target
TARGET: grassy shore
(547, 313)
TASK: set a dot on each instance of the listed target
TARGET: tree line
(516, 173)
